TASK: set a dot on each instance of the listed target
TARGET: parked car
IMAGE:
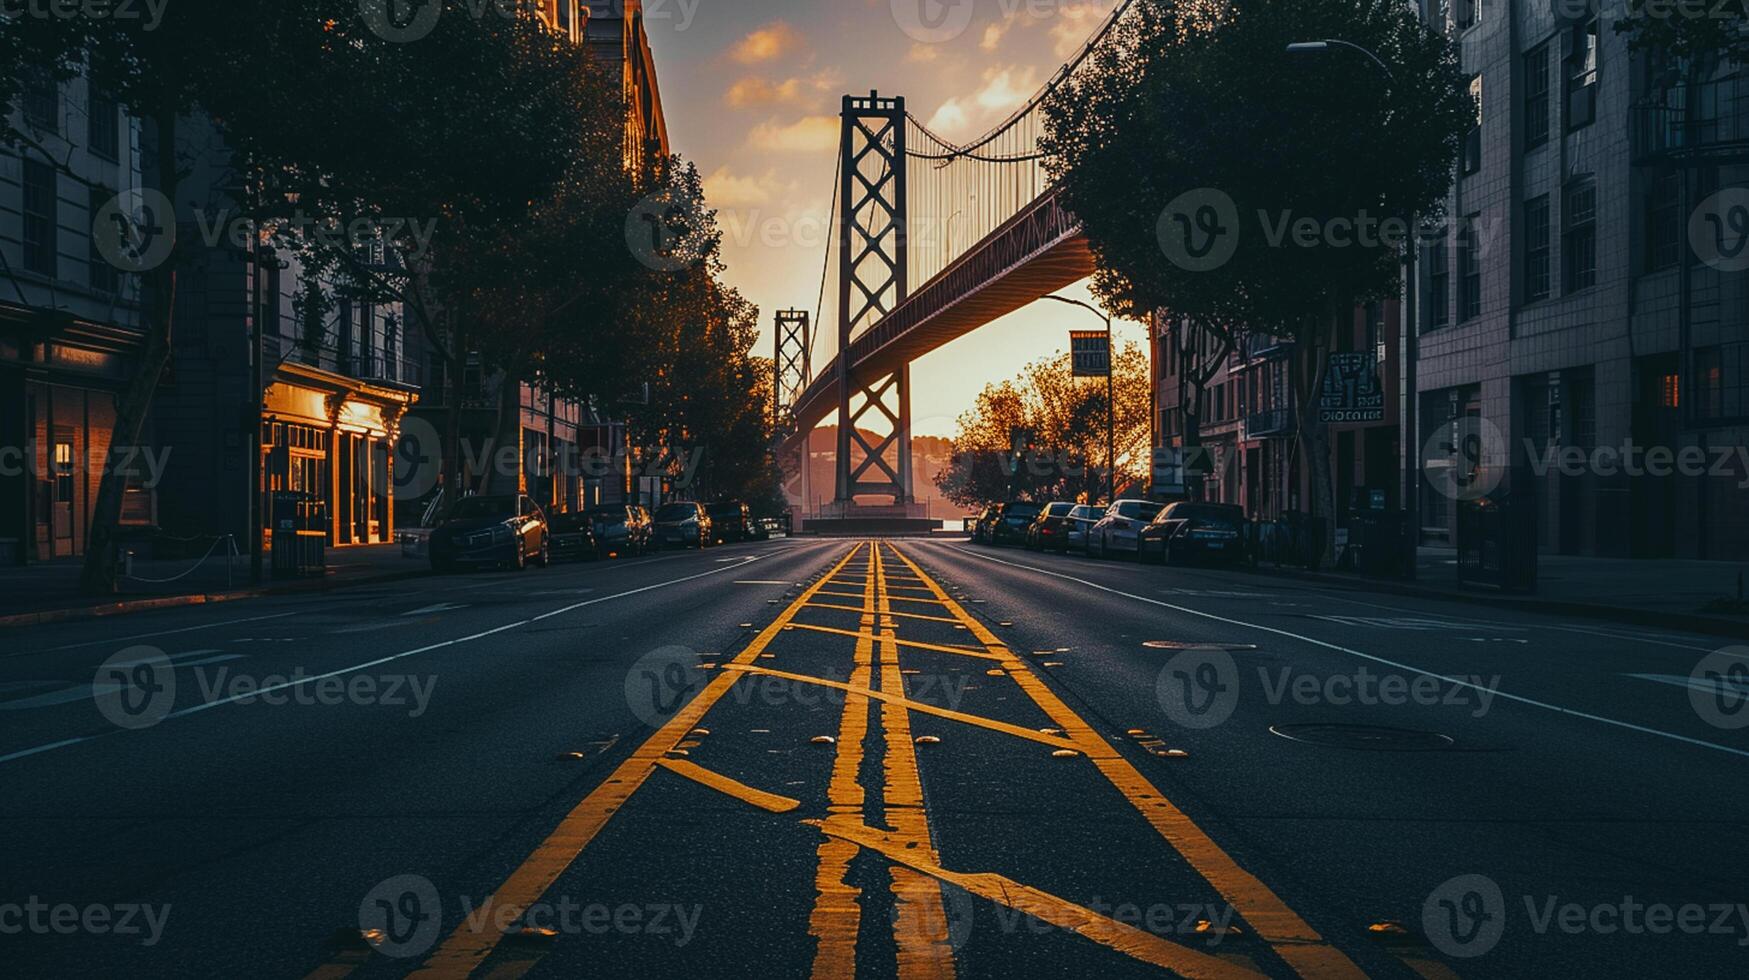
(981, 524)
(1011, 521)
(683, 523)
(573, 537)
(1078, 523)
(731, 521)
(621, 529)
(1186, 531)
(1050, 529)
(1120, 529)
(506, 529)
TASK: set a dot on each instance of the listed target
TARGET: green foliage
(1063, 418)
(1192, 94)
(1699, 32)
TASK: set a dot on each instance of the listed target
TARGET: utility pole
(257, 388)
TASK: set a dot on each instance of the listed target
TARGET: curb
(1686, 622)
(125, 607)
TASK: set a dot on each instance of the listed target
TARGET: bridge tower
(792, 369)
(872, 280)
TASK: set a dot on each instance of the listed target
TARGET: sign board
(1091, 353)
(1352, 392)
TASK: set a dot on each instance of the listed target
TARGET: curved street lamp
(1110, 402)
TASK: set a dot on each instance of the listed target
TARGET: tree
(1224, 180)
(1059, 422)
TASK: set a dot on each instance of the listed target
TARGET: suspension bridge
(934, 239)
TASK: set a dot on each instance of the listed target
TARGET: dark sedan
(1050, 531)
(1186, 531)
(573, 537)
(683, 524)
(621, 529)
(1010, 523)
(507, 529)
(730, 521)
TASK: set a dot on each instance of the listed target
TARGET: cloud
(1076, 23)
(726, 189)
(768, 43)
(923, 53)
(1003, 91)
(755, 91)
(810, 134)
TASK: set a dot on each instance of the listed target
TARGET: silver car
(1119, 531)
(1079, 522)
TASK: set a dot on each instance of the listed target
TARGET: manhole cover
(1179, 645)
(1375, 738)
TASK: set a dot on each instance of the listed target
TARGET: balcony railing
(1708, 122)
(378, 367)
(1271, 422)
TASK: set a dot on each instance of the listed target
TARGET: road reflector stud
(1135, 731)
(1173, 753)
(1064, 754)
(699, 732)
(689, 744)
(1206, 928)
(678, 752)
(1050, 731)
(1004, 623)
(1388, 932)
(1053, 663)
(928, 740)
(746, 626)
(707, 666)
(572, 755)
(823, 740)
(994, 672)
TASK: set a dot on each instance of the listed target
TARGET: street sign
(1352, 392)
(1091, 352)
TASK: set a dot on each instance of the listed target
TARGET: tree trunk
(1311, 362)
(100, 573)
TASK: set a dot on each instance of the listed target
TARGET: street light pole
(1110, 395)
(1409, 342)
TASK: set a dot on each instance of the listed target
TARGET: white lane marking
(1723, 685)
(1457, 681)
(436, 608)
(124, 640)
(355, 668)
(79, 692)
(755, 581)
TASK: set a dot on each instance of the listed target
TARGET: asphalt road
(892, 759)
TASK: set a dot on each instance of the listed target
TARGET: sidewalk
(1698, 596)
(49, 591)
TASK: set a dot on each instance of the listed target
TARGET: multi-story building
(70, 322)
(334, 381)
(1577, 324)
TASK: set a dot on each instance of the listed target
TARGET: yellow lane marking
(943, 648)
(933, 619)
(920, 929)
(1292, 938)
(731, 787)
(837, 914)
(842, 595)
(1053, 741)
(467, 948)
(1041, 905)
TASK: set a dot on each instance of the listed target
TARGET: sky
(751, 91)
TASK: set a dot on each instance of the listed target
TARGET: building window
(1536, 97)
(1581, 75)
(1438, 283)
(1663, 221)
(103, 273)
(1473, 141)
(1470, 262)
(103, 126)
(1537, 279)
(1579, 240)
(40, 224)
(1375, 331)
(42, 101)
(1709, 383)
